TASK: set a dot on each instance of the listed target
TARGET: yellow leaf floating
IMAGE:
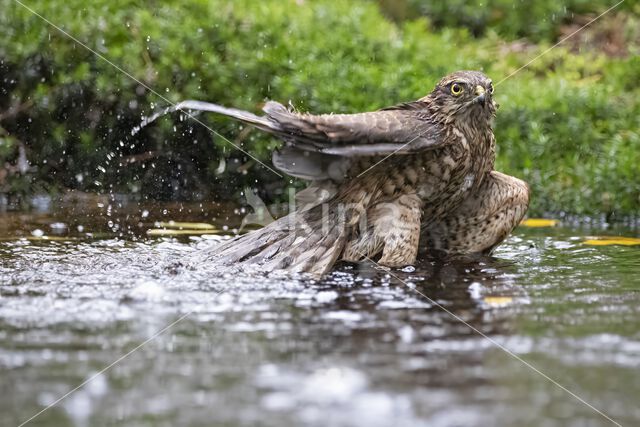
(185, 225)
(539, 222)
(168, 232)
(612, 240)
(497, 301)
(39, 239)
(50, 238)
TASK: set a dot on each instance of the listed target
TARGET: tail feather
(298, 243)
(237, 250)
(304, 255)
(327, 252)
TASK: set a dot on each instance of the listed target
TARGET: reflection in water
(360, 347)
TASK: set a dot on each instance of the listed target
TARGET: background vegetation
(568, 123)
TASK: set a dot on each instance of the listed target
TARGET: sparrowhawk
(385, 183)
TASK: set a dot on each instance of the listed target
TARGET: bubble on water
(344, 316)
(147, 291)
(334, 384)
(98, 386)
(278, 401)
(406, 333)
(79, 406)
(326, 296)
(475, 290)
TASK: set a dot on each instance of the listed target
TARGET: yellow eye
(456, 89)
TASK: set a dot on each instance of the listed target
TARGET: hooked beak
(481, 95)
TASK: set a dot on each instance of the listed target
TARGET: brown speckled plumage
(437, 190)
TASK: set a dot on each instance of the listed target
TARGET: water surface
(81, 285)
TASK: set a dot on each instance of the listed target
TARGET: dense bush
(536, 20)
(568, 124)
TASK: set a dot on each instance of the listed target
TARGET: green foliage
(536, 20)
(568, 123)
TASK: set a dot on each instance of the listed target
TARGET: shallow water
(82, 285)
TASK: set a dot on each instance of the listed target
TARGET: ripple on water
(359, 347)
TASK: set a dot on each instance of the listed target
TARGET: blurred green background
(569, 123)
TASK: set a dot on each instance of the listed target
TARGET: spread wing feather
(401, 131)
(318, 147)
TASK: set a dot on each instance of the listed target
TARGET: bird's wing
(397, 130)
(320, 147)
(401, 129)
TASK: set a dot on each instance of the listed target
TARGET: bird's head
(464, 95)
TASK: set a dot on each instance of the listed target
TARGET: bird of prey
(385, 183)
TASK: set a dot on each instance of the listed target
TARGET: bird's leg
(394, 228)
(483, 220)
